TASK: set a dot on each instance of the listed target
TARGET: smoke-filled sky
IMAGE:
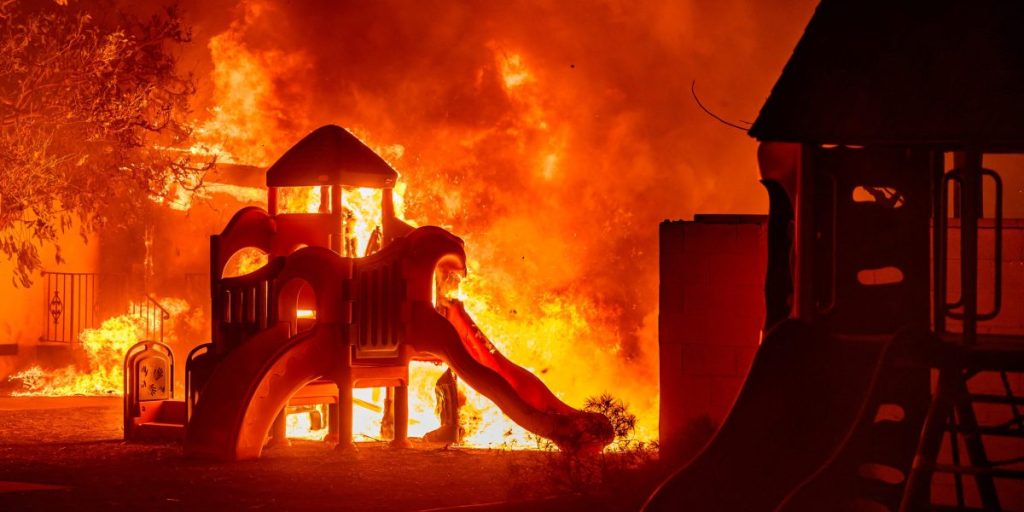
(552, 136)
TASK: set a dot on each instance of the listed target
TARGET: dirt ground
(73, 447)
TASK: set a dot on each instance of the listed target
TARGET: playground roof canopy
(945, 73)
(330, 155)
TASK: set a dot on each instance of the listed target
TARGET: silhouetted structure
(837, 412)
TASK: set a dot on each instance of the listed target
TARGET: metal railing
(70, 303)
(154, 314)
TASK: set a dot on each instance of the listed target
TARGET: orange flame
(104, 349)
(560, 278)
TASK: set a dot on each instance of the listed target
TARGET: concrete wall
(711, 314)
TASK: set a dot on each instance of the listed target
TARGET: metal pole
(971, 212)
(940, 220)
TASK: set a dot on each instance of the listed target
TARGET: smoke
(553, 137)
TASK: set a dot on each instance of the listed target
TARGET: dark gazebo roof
(943, 73)
(330, 155)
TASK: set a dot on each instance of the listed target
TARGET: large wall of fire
(553, 138)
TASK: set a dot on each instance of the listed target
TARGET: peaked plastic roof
(330, 155)
(942, 73)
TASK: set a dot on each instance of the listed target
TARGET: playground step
(995, 399)
(159, 431)
(972, 470)
(171, 412)
(989, 431)
(991, 352)
(159, 424)
(954, 508)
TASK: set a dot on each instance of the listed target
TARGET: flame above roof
(330, 155)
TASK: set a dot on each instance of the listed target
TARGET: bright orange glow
(308, 422)
(305, 313)
(245, 261)
(362, 207)
(539, 172)
(104, 348)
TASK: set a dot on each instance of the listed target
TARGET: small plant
(623, 422)
(618, 472)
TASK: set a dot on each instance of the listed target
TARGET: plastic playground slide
(249, 388)
(526, 384)
(803, 395)
(522, 396)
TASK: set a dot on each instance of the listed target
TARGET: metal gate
(71, 305)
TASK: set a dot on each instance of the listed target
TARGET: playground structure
(150, 410)
(868, 179)
(319, 320)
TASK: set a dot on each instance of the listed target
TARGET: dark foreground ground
(67, 454)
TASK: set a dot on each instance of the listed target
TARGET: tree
(89, 107)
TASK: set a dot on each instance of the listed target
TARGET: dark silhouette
(837, 412)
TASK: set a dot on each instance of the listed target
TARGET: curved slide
(251, 386)
(526, 384)
(803, 395)
(522, 396)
